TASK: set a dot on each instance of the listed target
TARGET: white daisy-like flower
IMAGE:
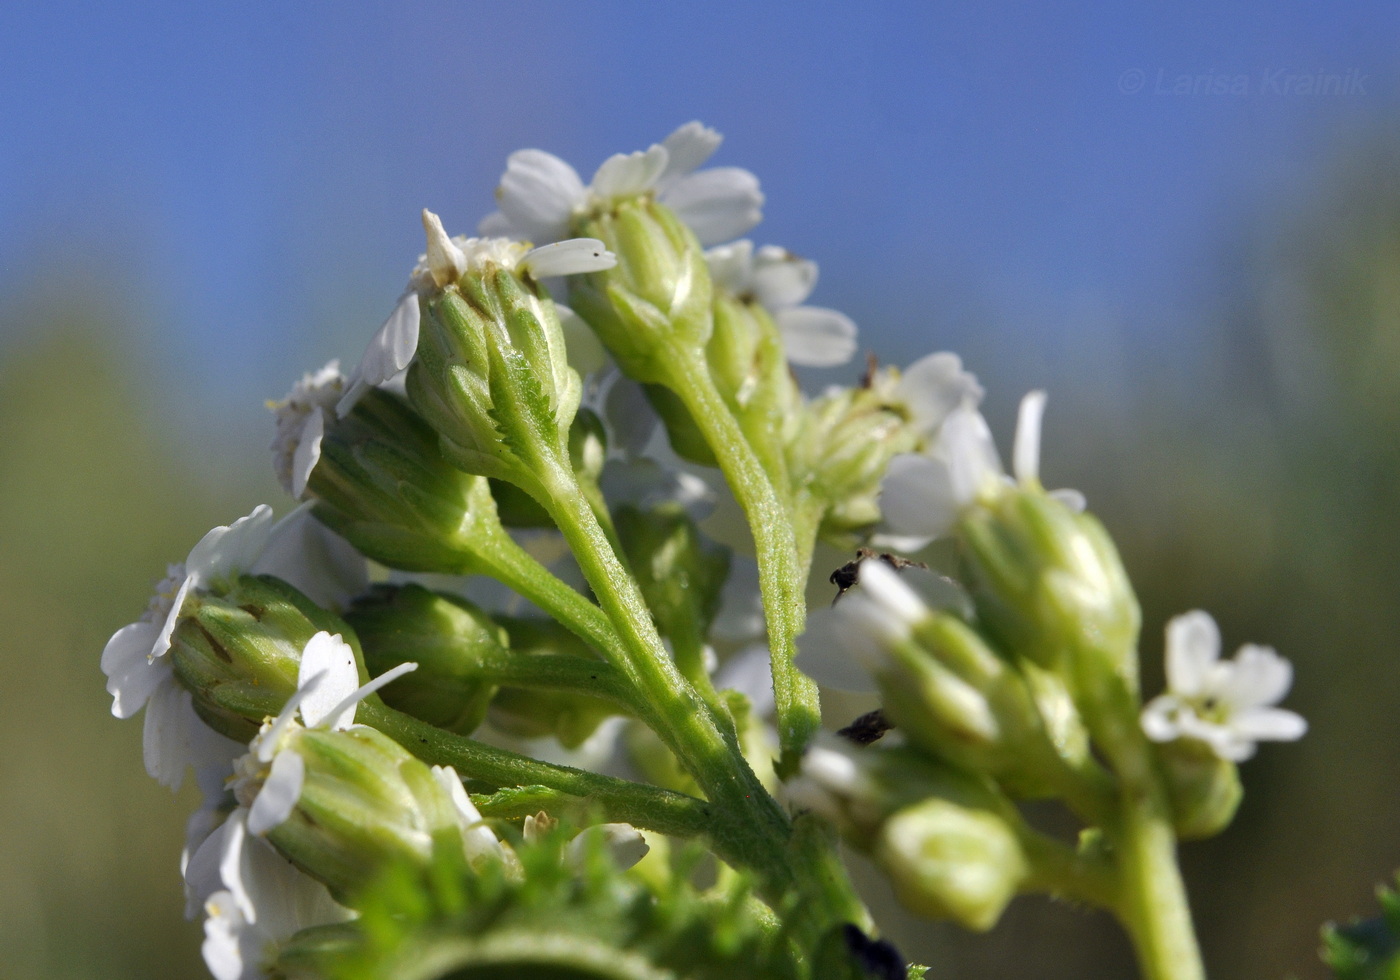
(139, 673)
(301, 423)
(268, 780)
(922, 494)
(1227, 704)
(446, 260)
(779, 281)
(540, 195)
(254, 899)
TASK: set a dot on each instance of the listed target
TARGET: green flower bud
(843, 442)
(491, 374)
(365, 801)
(1204, 789)
(1048, 584)
(238, 650)
(954, 696)
(383, 485)
(658, 295)
(950, 860)
(450, 639)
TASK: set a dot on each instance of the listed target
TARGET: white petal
(916, 496)
(1193, 647)
(750, 672)
(333, 657)
(446, 261)
(815, 336)
(201, 870)
(167, 733)
(1071, 499)
(781, 279)
(225, 935)
(624, 843)
(538, 194)
(390, 350)
(231, 550)
(731, 266)
(496, 225)
(567, 258)
(1159, 718)
(689, 147)
(825, 656)
(585, 351)
(628, 174)
(344, 712)
(933, 386)
(477, 838)
(967, 445)
(279, 794)
(309, 556)
(161, 646)
(308, 451)
(1259, 677)
(1025, 451)
(897, 602)
(1269, 725)
(132, 676)
(718, 204)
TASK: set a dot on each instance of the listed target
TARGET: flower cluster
(589, 529)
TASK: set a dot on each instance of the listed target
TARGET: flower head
(1227, 704)
(446, 260)
(301, 423)
(779, 281)
(139, 673)
(540, 195)
(923, 493)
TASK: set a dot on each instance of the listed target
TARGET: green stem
(1059, 870)
(781, 578)
(621, 800)
(557, 672)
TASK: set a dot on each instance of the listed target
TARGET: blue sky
(251, 173)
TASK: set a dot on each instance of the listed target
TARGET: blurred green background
(1209, 288)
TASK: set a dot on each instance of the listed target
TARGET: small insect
(845, 577)
(869, 727)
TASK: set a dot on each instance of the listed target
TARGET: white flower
(446, 260)
(836, 781)
(1227, 704)
(779, 281)
(301, 424)
(844, 644)
(922, 494)
(254, 898)
(540, 195)
(269, 778)
(140, 675)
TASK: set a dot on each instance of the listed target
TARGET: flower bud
(238, 650)
(491, 374)
(947, 859)
(447, 636)
(658, 295)
(383, 485)
(1204, 789)
(842, 444)
(364, 801)
(1048, 584)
